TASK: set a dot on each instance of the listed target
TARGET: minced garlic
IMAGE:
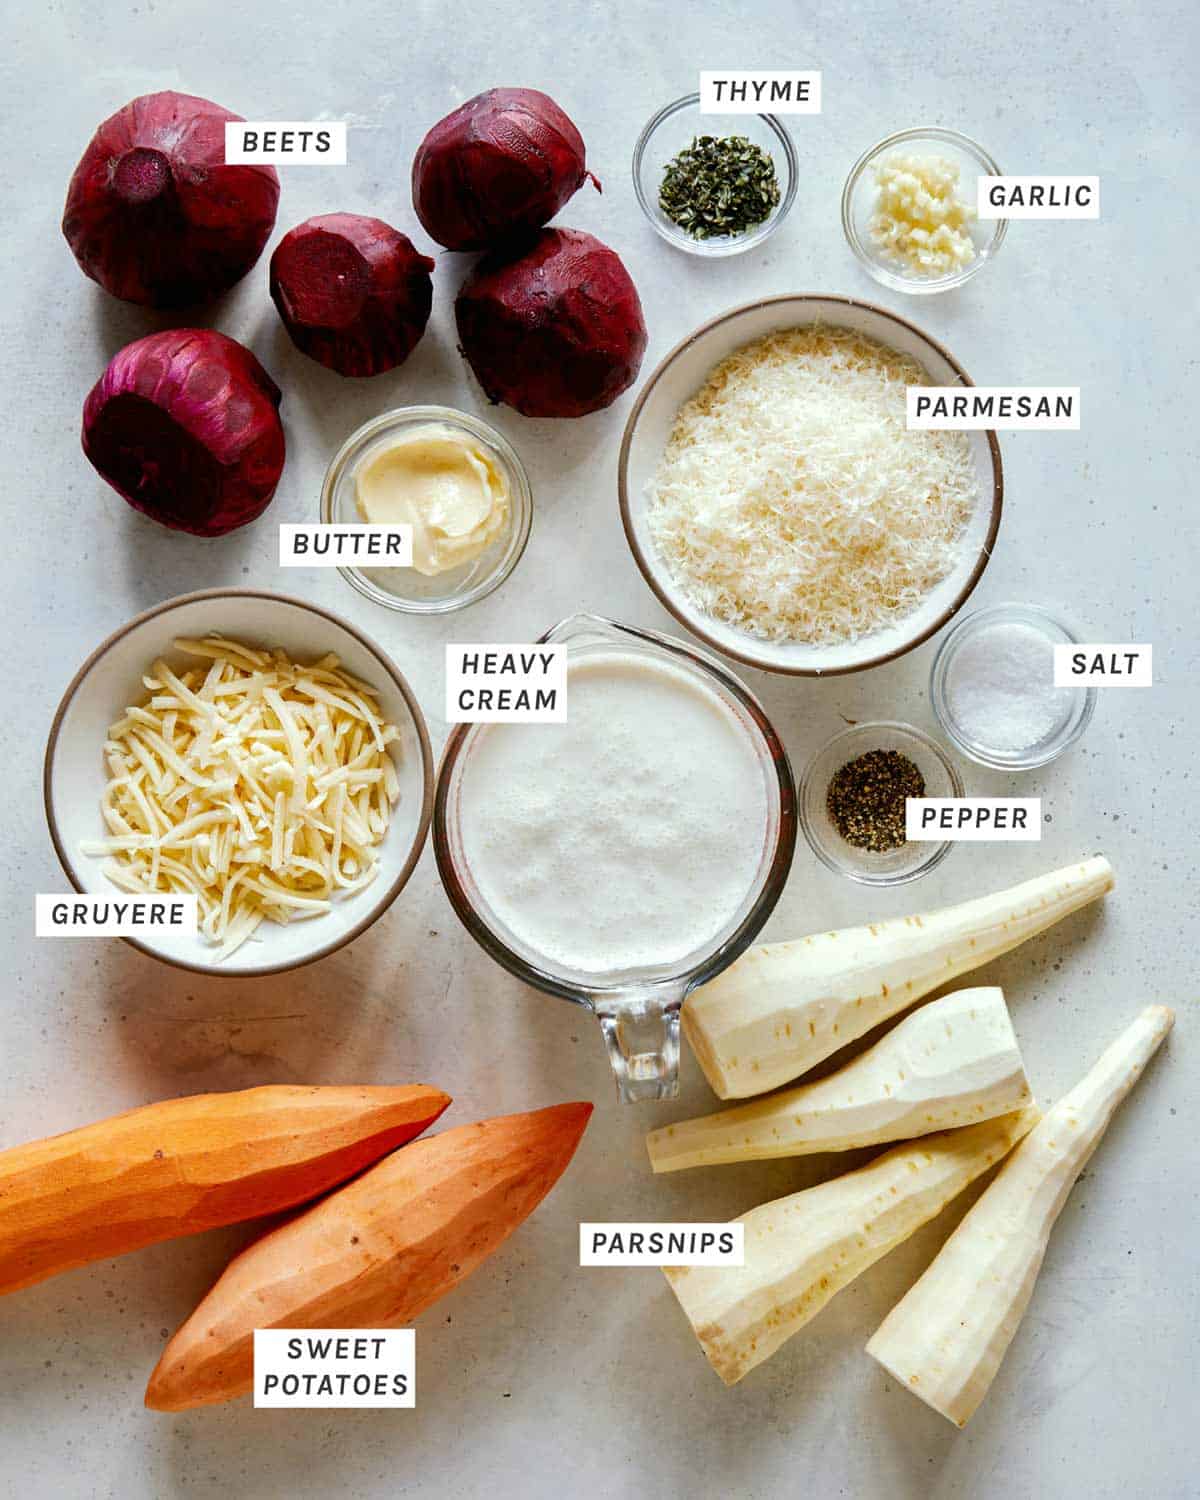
(919, 222)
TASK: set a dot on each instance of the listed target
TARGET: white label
(662, 1244)
(506, 684)
(362, 543)
(1013, 408)
(117, 915)
(310, 1367)
(978, 820)
(1038, 197)
(285, 143)
(1105, 665)
(756, 91)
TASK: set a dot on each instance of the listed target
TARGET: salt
(1000, 688)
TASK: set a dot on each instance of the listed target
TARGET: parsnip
(780, 1009)
(945, 1340)
(952, 1062)
(802, 1250)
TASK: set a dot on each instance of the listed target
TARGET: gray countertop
(536, 1373)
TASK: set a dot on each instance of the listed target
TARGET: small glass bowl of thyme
(714, 184)
(852, 797)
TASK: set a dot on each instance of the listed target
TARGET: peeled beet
(501, 165)
(353, 293)
(154, 214)
(185, 425)
(554, 330)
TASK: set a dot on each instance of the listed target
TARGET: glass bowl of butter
(458, 484)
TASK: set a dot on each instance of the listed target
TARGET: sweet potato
(374, 1254)
(183, 1165)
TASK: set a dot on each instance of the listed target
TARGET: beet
(185, 425)
(501, 165)
(154, 214)
(353, 293)
(554, 329)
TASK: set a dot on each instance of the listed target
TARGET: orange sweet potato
(183, 1165)
(375, 1253)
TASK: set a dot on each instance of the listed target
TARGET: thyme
(719, 185)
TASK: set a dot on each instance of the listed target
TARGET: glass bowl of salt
(992, 688)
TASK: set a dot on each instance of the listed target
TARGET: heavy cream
(629, 836)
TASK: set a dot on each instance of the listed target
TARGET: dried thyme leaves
(719, 185)
(866, 799)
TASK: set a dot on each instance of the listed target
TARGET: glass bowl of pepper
(852, 797)
(714, 184)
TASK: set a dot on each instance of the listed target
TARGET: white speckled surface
(537, 1374)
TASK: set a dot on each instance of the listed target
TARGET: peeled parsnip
(945, 1340)
(952, 1062)
(781, 1009)
(802, 1250)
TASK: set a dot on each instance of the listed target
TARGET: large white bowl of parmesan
(776, 502)
(254, 751)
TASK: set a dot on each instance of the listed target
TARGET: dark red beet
(501, 165)
(353, 293)
(154, 214)
(554, 330)
(185, 425)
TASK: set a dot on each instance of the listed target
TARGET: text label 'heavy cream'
(366, 544)
(957, 408)
(515, 684)
(343, 1367)
(1038, 197)
(117, 915)
(980, 820)
(662, 1244)
(1104, 665)
(750, 91)
(285, 143)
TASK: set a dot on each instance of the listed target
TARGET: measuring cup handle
(641, 1032)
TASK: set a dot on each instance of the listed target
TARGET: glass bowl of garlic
(909, 211)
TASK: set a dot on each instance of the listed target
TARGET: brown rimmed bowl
(684, 371)
(74, 774)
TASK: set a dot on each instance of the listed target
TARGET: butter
(443, 483)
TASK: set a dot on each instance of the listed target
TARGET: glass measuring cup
(638, 1009)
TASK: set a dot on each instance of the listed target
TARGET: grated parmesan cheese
(259, 786)
(792, 502)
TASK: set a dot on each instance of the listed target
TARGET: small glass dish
(896, 866)
(858, 203)
(673, 129)
(404, 588)
(1079, 702)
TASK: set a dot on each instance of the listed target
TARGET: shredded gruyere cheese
(256, 784)
(792, 502)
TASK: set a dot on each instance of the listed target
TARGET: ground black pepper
(866, 799)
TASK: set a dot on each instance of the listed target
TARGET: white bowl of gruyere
(252, 751)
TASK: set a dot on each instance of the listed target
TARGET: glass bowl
(896, 866)
(1079, 704)
(859, 195)
(671, 130)
(404, 588)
